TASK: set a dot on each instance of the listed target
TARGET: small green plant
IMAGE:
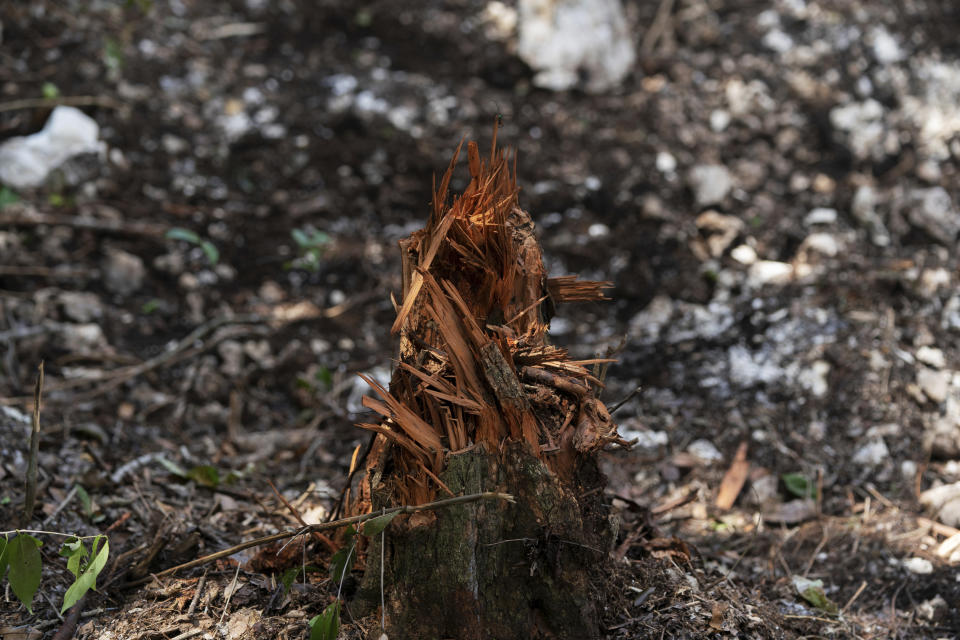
(112, 55)
(799, 485)
(150, 306)
(311, 245)
(203, 474)
(326, 626)
(50, 91)
(22, 555)
(209, 249)
(8, 197)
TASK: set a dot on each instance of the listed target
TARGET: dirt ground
(773, 192)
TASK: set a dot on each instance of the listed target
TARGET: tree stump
(480, 401)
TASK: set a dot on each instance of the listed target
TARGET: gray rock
(934, 384)
(81, 307)
(873, 453)
(123, 272)
(863, 209)
(932, 210)
(82, 338)
(710, 184)
(820, 215)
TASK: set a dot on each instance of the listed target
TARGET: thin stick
(15, 216)
(233, 589)
(31, 490)
(863, 585)
(322, 526)
(196, 595)
(70, 101)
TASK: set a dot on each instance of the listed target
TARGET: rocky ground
(772, 189)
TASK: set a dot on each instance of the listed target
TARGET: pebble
(820, 215)
(123, 272)
(81, 307)
(78, 338)
(744, 254)
(920, 566)
(769, 272)
(705, 451)
(934, 384)
(932, 210)
(710, 184)
(931, 356)
(666, 163)
(863, 209)
(872, 453)
(823, 243)
(719, 120)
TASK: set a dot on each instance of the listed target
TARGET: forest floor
(773, 192)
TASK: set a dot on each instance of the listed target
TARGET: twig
(69, 101)
(863, 585)
(66, 500)
(186, 635)
(656, 28)
(323, 526)
(231, 589)
(196, 595)
(21, 216)
(31, 490)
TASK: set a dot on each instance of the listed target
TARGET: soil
(811, 311)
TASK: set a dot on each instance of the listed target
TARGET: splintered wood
(474, 366)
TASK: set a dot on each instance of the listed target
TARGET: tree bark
(479, 401)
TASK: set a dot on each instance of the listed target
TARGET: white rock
(862, 123)
(937, 497)
(931, 356)
(82, 337)
(749, 368)
(666, 163)
(863, 209)
(744, 254)
(778, 41)
(820, 215)
(80, 306)
(719, 120)
(885, 47)
(933, 211)
(598, 230)
(25, 162)
(123, 272)
(704, 450)
(872, 453)
(710, 183)
(934, 384)
(931, 280)
(920, 566)
(815, 378)
(769, 272)
(823, 243)
(560, 39)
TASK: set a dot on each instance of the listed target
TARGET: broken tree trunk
(479, 401)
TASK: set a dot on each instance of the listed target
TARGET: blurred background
(771, 187)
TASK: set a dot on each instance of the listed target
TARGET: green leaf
(24, 557)
(88, 577)
(7, 196)
(798, 484)
(326, 626)
(173, 467)
(211, 251)
(378, 524)
(75, 552)
(205, 475)
(178, 233)
(85, 501)
(812, 592)
(340, 563)
(3, 556)
(288, 578)
(300, 237)
(50, 90)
